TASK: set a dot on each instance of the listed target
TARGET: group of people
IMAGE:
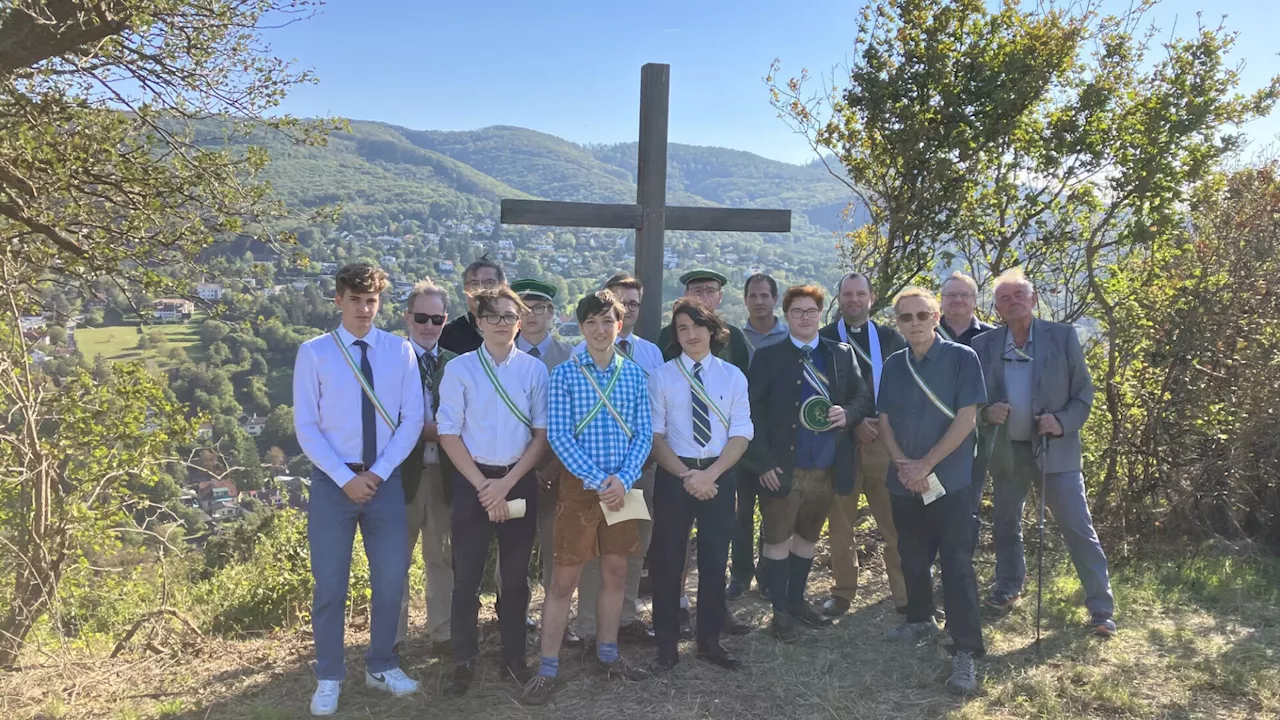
(610, 451)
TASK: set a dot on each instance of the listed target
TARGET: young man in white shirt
(493, 425)
(701, 427)
(358, 413)
(423, 474)
(648, 356)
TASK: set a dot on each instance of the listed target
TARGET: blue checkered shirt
(602, 449)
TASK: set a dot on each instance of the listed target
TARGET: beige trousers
(873, 471)
(427, 518)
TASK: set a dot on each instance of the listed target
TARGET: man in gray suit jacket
(1040, 395)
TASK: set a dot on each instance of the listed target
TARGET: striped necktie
(625, 347)
(701, 413)
(368, 419)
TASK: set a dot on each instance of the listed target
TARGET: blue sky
(572, 67)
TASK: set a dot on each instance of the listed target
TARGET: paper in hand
(633, 508)
(935, 490)
(516, 508)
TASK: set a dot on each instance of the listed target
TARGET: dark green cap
(534, 288)
(696, 275)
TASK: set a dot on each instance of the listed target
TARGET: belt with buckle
(357, 467)
(699, 463)
(495, 471)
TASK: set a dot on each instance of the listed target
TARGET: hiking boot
(964, 676)
(620, 669)
(910, 633)
(783, 628)
(1001, 600)
(538, 691)
(1102, 625)
(807, 615)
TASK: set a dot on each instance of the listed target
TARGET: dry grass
(1176, 657)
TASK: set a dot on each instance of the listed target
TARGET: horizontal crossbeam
(572, 214)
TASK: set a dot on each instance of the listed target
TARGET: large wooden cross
(651, 215)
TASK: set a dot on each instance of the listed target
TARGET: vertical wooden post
(651, 192)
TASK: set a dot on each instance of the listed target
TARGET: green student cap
(696, 275)
(534, 288)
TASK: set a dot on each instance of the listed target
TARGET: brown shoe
(621, 669)
(538, 691)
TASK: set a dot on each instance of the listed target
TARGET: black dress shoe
(665, 664)
(635, 631)
(686, 624)
(835, 606)
(734, 626)
(460, 681)
(522, 673)
(733, 591)
(718, 656)
(765, 592)
(810, 617)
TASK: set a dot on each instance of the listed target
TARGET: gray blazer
(557, 352)
(1061, 385)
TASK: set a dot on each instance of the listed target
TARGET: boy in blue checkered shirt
(600, 425)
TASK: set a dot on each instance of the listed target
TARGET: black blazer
(891, 341)
(775, 385)
(411, 468)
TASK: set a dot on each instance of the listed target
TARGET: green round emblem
(813, 414)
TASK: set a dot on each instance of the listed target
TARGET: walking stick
(1044, 458)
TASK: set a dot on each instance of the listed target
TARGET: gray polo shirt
(954, 374)
(756, 340)
(1019, 378)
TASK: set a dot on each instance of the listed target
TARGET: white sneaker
(393, 681)
(325, 699)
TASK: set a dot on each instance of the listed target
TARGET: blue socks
(607, 652)
(549, 667)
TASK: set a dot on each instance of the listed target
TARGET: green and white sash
(816, 379)
(602, 396)
(928, 391)
(701, 391)
(502, 392)
(364, 384)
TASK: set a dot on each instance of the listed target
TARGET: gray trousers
(428, 522)
(589, 585)
(1065, 498)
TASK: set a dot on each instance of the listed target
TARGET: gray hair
(973, 284)
(428, 289)
(1013, 275)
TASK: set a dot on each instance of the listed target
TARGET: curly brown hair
(361, 278)
(702, 316)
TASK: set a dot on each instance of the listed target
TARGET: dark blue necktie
(701, 413)
(368, 417)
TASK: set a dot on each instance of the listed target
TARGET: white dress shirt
(430, 451)
(471, 408)
(647, 355)
(327, 401)
(523, 343)
(671, 399)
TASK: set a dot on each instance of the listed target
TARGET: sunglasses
(424, 318)
(922, 316)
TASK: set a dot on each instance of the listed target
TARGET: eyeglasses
(424, 318)
(508, 319)
(632, 306)
(922, 316)
(475, 285)
(806, 314)
(1015, 354)
(958, 296)
(540, 309)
